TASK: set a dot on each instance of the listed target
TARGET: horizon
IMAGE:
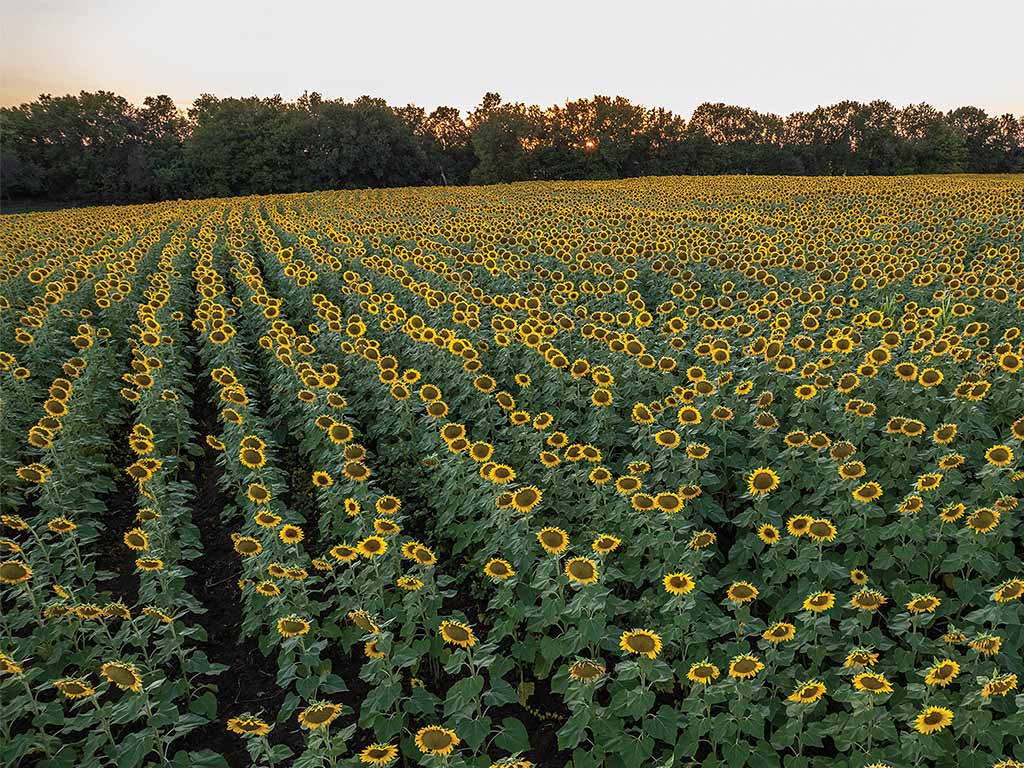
(777, 57)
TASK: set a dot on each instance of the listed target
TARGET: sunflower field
(657, 472)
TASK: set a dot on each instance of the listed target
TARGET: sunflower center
(641, 643)
(436, 740)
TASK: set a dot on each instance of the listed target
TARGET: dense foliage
(97, 147)
(658, 472)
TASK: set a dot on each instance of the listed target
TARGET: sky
(774, 55)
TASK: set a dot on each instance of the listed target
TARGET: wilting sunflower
(986, 645)
(379, 754)
(457, 633)
(999, 686)
(679, 583)
(364, 621)
(762, 481)
(434, 740)
(248, 725)
(319, 714)
(745, 666)
(1009, 590)
(933, 719)
(808, 693)
(741, 592)
(872, 682)
(586, 670)
(641, 642)
(554, 540)
(499, 569)
(125, 676)
(74, 687)
(581, 570)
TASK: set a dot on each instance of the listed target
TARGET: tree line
(99, 147)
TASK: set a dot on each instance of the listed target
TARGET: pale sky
(774, 55)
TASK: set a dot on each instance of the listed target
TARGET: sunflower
(74, 687)
(258, 493)
(983, 520)
(872, 682)
(322, 479)
(252, 458)
(434, 740)
(291, 534)
(933, 719)
(379, 754)
(150, 564)
(819, 602)
(410, 583)
(364, 621)
(702, 540)
(762, 481)
(703, 672)
(986, 645)
(125, 676)
(581, 570)
(821, 530)
(247, 725)
(319, 714)
(923, 604)
(868, 600)
(999, 686)
(499, 569)
(136, 539)
(372, 546)
(526, 498)
(769, 534)
(867, 492)
(457, 633)
(9, 666)
(1009, 590)
(371, 651)
(586, 670)
(860, 658)
(667, 438)
(554, 540)
(247, 546)
(605, 544)
(292, 626)
(344, 553)
(681, 583)
(999, 455)
(852, 470)
(641, 642)
(14, 572)
(740, 592)
(688, 416)
(808, 693)
(745, 666)
(266, 519)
